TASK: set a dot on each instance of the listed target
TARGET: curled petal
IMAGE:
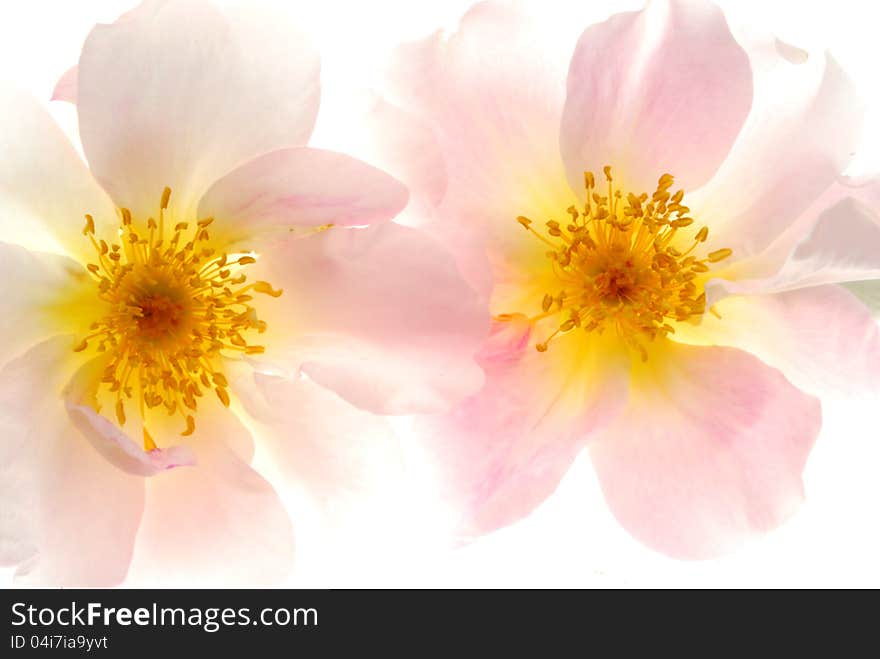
(119, 449)
(107, 438)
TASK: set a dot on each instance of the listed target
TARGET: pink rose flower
(656, 220)
(205, 266)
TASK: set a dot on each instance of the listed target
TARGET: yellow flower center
(175, 306)
(626, 262)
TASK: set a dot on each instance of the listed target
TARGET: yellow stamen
(719, 255)
(174, 307)
(622, 263)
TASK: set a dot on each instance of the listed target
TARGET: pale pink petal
(395, 139)
(106, 437)
(45, 188)
(504, 450)
(709, 455)
(662, 90)
(120, 450)
(836, 240)
(794, 147)
(380, 315)
(183, 92)
(217, 523)
(487, 100)
(301, 187)
(406, 147)
(51, 294)
(317, 441)
(492, 93)
(401, 143)
(820, 337)
(67, 512)
(67, 85)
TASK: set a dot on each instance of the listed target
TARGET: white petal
(72, 513)
(181, 93)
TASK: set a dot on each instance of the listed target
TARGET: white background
(571, 540)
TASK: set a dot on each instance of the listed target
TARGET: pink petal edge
(108, 439)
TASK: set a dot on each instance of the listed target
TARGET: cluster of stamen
(621, 262)
(175, 306)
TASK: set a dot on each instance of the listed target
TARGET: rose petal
(407, 147)
(820, 337)
(318, 441)
(379, 315)
(709, 452)
(67, 85)
(402, 144)
(119, 449)
(181, 94)
(216, 523)
(795, 145)
(492, 93)
(106, 437)
(52, 294)
(45, 188)
(504, 450)
(69, 512)
(837, 240)
(301, 187)
(663, 90)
